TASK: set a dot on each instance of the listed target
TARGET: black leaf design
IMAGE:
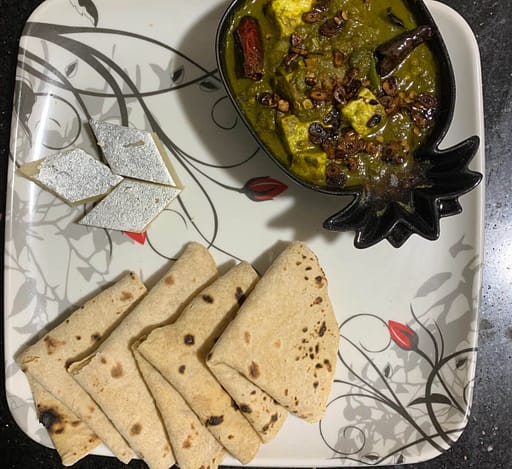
(208, 85)
(71, 69)
(371, 457)
(434, 398)
(400, 459)
(387, 371)
(177, 75)
(87, 8)
(460, 363)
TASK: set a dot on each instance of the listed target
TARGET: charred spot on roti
(318, 365)
(234, 405)
(286, 392)
(306, 278)
(308, 268)
(230, 437)
(78, 337)
(136, 429)
(189, 339)
(181, 369)
(322, 330)
(317, 348)
(126, 296)
(315, 384)
(305, 329)
(318, 300)
(245, 409)
(319, 281)
(328, 365)
(214, 420)
(49, 417)
(208, 298)
(274, 417)
(117, 370)
(253, 392)
(247, 337)
(265, 428)
(240, 296)
(75, 423)
(298, 263)
(187, 443)
(169, 280)
(254, 370)
(95, 337)
(103, 360)
(52, 344)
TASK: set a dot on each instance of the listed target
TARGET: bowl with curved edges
(445, 173)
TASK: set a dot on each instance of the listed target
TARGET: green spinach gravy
(342, 92)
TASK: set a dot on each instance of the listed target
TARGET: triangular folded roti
(46, 360)
(71, 437)
(193, 445)
(178, 352)
(111, 375)
(285, 337)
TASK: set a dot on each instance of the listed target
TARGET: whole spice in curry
(342, 92)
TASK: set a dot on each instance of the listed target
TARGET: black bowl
(446, 175)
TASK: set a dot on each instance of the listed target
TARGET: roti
(193, 445)
(285, 337)
(45, 363)
(111, 375)
(71, 437)
(178, 352)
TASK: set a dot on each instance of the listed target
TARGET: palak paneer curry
(342, 92)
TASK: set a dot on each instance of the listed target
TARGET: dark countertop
(486, 442)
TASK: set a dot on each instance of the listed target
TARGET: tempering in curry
(342, 92)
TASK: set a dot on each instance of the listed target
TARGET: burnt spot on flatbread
(189, 339)
(117, 370)
(214, 420)
(323, 329)
(319, 281)
(286, 392)
(169, 280)
(187, 443)
(254, 370)
(317, 348)
(78, 337)
(126, 296)
(318, 300)
(103, 360)
(247, 337)
(318, 366)
(253, 392)
(208, 298)
(240, 296)
(52, 344)
(75, 423)
(136, 429)
(328, 365)
(181, 369)
(234, 405)
(230, 437)
(306, 278)
(308, 268)
(245, 409)
(298, 263)
(315, 384)
(95, 337)
(305, 329)
(50, 418)
(274, 417)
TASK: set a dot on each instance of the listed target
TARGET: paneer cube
(295, 134)
(310, 166)
(364, 113)
(288, 14)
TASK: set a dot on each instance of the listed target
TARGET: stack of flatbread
(199, 367)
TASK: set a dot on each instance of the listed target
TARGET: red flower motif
(139, 237)
(403, 335)
(260, 189)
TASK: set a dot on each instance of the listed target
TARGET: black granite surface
(487, 441)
